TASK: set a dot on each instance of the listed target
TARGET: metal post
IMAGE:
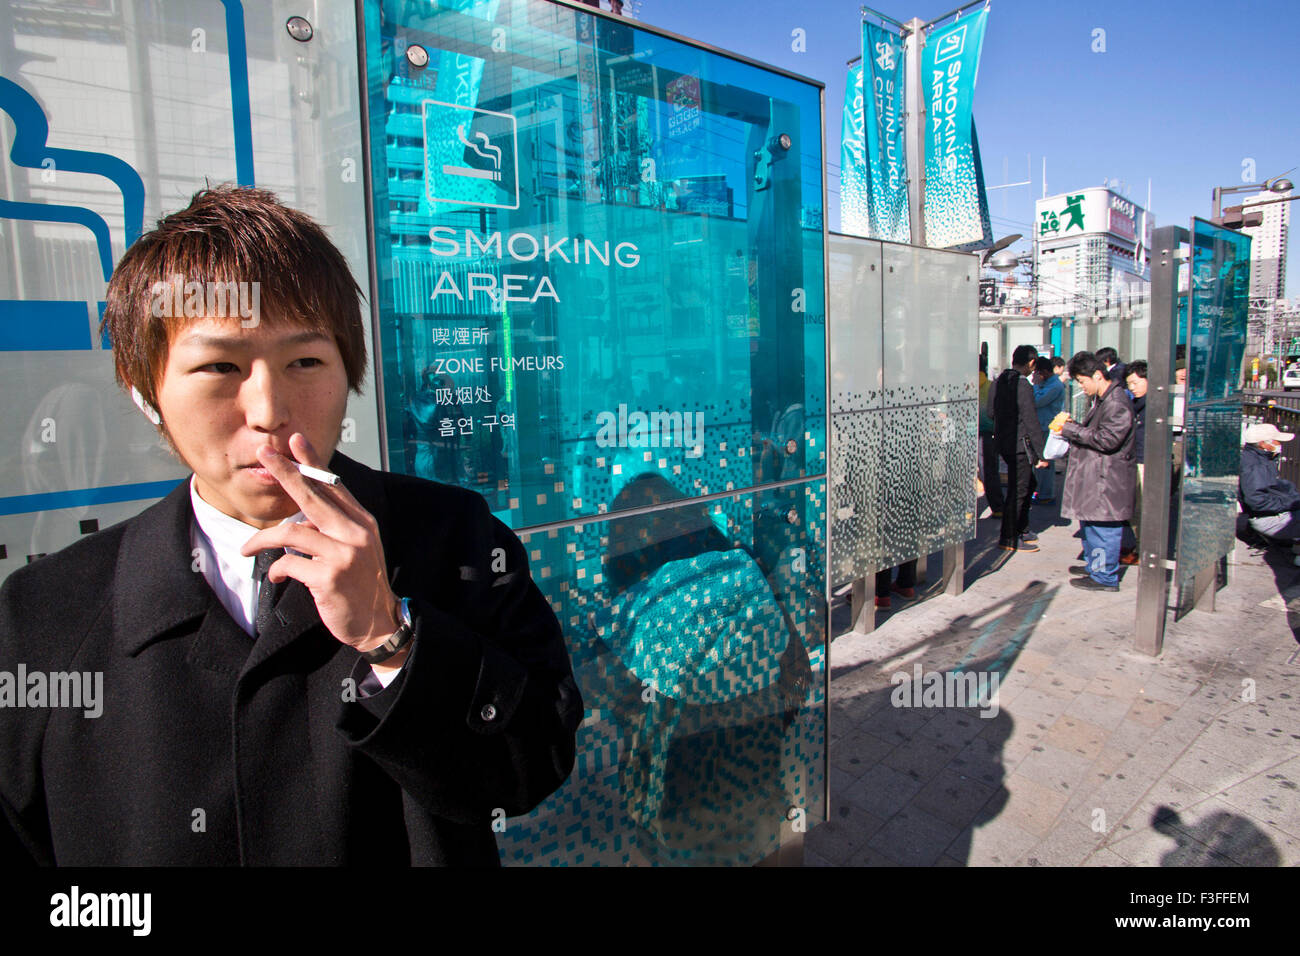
(914, 130)
(862, 604)
(1153, 577)
(954, 569)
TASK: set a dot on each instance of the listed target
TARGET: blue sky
(1182, 95)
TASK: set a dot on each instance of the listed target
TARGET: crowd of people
(1025, 429)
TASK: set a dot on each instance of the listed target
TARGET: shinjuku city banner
(854, 197)
(883, 104)
(954, 190)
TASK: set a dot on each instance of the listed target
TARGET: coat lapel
(295, 613)
(161, 592)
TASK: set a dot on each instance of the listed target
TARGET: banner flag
(883, 105)
(955, 205)
(986, 225)
(854, 196)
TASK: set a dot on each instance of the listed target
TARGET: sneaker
(907, 593)
(1007, 545)
(1028, 536)
(1080, 569)
(1027, 546)
(882, 602)
(1089, 584)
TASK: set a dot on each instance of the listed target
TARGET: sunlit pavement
(1097, 755)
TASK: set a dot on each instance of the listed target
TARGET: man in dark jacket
(1101, 480)
(1271, 503)
(1116, 370)
(1020, 443)
(268, 667)
(1136, 380)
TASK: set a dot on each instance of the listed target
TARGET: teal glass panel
(599, 255)
(698, 638)
(1218, 307)
(601, 289)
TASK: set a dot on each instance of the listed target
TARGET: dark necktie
(268, 592)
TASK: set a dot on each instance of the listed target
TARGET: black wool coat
(213, 748)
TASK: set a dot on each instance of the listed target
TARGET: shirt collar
(226, 534)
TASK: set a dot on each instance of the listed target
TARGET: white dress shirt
(216, 538)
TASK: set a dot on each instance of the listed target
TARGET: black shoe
(1007, 545)
(1028, 536)
(1089, 584)
(1080, 569)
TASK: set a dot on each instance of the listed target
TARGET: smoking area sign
(470, 156)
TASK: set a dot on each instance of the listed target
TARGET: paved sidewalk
(1097, 755)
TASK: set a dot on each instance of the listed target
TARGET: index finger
(314, 495)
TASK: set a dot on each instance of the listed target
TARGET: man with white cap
(1271, 503)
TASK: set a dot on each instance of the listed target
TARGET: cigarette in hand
(317, 474)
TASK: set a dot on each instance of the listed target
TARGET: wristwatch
(399, 640)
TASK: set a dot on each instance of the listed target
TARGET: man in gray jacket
(1101, 481)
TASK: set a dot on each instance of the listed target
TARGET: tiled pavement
(1097, 755)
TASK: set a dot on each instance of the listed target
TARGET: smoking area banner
(956, 207)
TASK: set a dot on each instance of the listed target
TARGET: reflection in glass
(698, 638)
(596, 261)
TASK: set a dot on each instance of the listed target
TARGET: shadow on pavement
(913, 774)
(1219, 839)
(1281, 561)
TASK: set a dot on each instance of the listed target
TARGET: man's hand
(343, 567)
(1042, 463)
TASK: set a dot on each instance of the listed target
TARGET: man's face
(228, 390)
(1090, 383)
(1180, 376)
(1137, 385)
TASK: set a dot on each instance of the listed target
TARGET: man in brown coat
(1101, 481)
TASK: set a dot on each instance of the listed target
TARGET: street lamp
(1278, 184)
